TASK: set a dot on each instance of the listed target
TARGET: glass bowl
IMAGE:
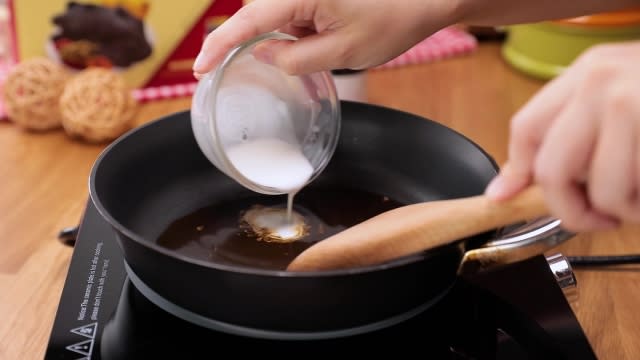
(270, 131)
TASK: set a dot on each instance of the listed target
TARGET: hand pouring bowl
(156, 173)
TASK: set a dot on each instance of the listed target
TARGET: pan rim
(151, 245)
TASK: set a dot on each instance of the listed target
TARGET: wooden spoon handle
(413, 228)
(482, 214)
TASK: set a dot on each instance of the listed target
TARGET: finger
(317, 52)
(508, 182)
(299, 30)
(264, 51)
(611, 177)
(636, 152)
(528, 127)
(635, 196)
(251, 20)
(561, 162)
(615, 178)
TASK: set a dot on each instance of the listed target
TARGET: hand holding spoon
(417, 227)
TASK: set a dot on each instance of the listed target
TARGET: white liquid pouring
(274, 163)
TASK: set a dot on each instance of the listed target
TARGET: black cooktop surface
(515, 313)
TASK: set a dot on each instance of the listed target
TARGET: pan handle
(515, 244)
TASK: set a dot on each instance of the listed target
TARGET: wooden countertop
(44, 189)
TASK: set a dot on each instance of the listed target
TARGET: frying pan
(156, 173)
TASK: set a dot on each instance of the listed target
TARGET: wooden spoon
(414, 228)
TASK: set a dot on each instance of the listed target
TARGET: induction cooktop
(516, 312)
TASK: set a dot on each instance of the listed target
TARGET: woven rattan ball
(96, 105)
(32, 91)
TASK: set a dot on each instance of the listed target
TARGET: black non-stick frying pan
(156, 174)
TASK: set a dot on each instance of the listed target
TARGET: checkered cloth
(164, 92)
(446, 43)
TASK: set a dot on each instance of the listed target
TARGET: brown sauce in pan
(219, 234)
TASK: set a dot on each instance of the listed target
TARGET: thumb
(308, 54)
(512, 179)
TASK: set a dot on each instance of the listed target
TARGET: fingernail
(264, 54)
(495, 189)
(199, 63)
